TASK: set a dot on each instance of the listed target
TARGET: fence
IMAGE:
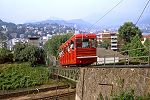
(68, 73)
(123, 58)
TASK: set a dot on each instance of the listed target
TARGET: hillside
(78, 23)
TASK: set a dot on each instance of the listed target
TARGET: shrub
(17, 49)
(29, 53)
(14, 76)
(5, 56)
(130, 95)
(126, 96)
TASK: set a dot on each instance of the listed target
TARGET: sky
(21, 11)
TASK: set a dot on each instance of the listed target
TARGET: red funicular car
(79, 50)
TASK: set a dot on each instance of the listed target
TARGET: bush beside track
(13, 76)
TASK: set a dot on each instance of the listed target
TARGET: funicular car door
(72, 52)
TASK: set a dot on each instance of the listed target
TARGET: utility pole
(83, 84)
(149, 56)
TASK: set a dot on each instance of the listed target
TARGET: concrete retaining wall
(110, 81)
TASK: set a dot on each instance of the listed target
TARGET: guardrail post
(104, 60)
(128, 61)
(69, 73)
(114, 59)
(148, 60)
(83, 84)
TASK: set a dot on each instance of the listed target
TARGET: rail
(31, 91)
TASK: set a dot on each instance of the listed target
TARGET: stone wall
(110, 81)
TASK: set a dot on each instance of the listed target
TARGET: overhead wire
(114, 8)
(142, 12)
(105, 14)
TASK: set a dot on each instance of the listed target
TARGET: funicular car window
(93, 42)
(72, 44)
(85, 43)
(69, 46)
(79, 43)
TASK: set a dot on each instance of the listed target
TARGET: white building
(108, 36)
(12, 42)
(46, 38)
(2, 44)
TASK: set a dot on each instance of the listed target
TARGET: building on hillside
(144, 37)
(108, 36)
(2, 44)
(5, 29)
(12, 42)
(69, 31)
(46, 38)
(35, 40)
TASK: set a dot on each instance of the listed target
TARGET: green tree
(53, 44)
(17, 51)
(147, 46)
(136, 48)
(128, 31)
(5, 56)
(105, 44)
(3, 38)
(29, 53)
(33, 54)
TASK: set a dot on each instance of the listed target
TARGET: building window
(114, 46)
(113, 42)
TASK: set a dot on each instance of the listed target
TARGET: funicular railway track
(64, 96)
(71, 73)
(48, 93)
(60, 91)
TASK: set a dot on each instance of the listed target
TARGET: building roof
(33, 38)
(146, 36)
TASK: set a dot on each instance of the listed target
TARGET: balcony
(114, 48)
(113, 37)
(114, 44)
(113, 40)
